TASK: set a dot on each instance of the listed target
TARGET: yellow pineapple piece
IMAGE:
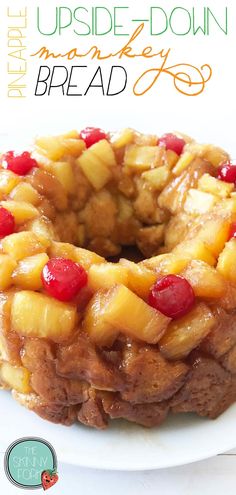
(205, 280)
(174, 194)
(210, 184)
(140, 278)
(158, 177)
(168, 263)
(215, 155)
(171, 158)
(49, 186)
(129, 314)
(195, 249)
(213, 231)
(37, 315)
(186, 333)
(97, 162)
(26, 193)
(22, 211)
(64, 173)
(198, 202)
(10, 344)
(145, 139)
(83, 256)
(226, 262)
(7, 266)
(8, 180)
(100, 331)
(16, 378)
(28, 272)
(140, 158)
(73, 147)
(73, 134)
(122, 138)
(184, 161)
(44, 230)
(104, 152)
(105, 275)
(22, 245)
(210, 153)
(56, 147)
(87, 258)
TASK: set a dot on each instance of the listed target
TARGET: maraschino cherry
(92, 135)
(7, 222)
(172, 142)
(172, 295)
(20, 164)
(62, 278)
(227, 172)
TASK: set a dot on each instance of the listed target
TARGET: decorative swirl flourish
(190, 80)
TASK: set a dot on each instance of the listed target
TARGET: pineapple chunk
(21, 211)
(7, 265)
(213, 232)
(183, 335)
(215, 155)
(100, 331)
(205, 280)
(183, 162)
(171, 158)
(195, 249)
(168, 263)
(22, 245)
(198, 202)
(44, 230)
(8, 180)
(103, 151)
(83, 256)
(145, 139)
(174, 194)
(87, 258)
(140, 278)
(36, 315)
(226, 262)
(158, 177)
(129, 314)
(97, 162)
(122, 138)
(49, 186)
(56, 147)
(210, 184)
(17, 378)
(64, 173)
(25, 192)
(141, 158)
(28, 272)
(105, 275)
(10, 343)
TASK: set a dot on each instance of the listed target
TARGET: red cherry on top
(232, 231)
(7, 222)
(172, 295)
(227, 172)
(92, 135)
(19, 164)
(172, 142)
(63, 278)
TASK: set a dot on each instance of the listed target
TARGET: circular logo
(31, 462)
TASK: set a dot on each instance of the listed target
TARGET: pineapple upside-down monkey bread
(84, 338)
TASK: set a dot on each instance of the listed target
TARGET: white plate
(181, 440)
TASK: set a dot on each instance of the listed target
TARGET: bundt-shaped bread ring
(86, 338)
